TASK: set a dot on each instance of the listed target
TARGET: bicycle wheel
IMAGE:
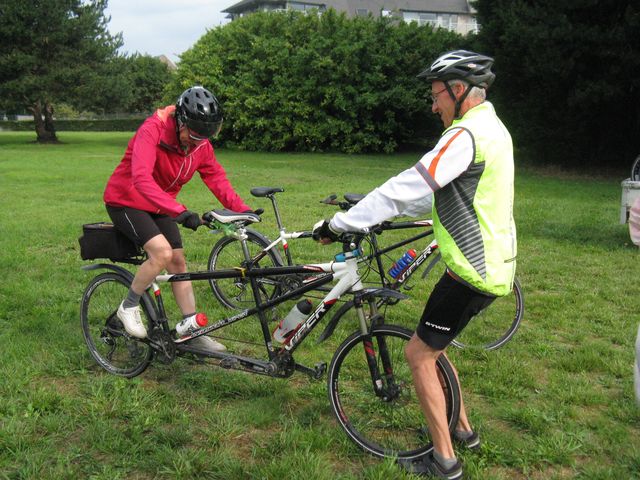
(236, 292)
(391, 425)
(103, 332)
(495, 325)
(635, 170)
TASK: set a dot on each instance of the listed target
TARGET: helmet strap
(457, 101)
(179, 123)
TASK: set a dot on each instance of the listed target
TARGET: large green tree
(568, 80)
(132, 84)
(50, 50)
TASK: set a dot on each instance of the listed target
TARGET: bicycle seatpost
(274, 203)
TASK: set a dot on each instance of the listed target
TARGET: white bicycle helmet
(471, 67)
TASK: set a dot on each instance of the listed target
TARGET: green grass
(555, 403)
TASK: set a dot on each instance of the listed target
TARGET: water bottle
(189, 324)
(401, 265)
(289, 324)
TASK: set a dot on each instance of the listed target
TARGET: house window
(453, 23)
(301, 6)
(427, 19)
(436, 20)
(362, 12)
(385, 13)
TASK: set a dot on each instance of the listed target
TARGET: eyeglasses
(195, 137)
(434, 96)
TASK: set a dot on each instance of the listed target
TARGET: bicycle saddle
(265, 191)
(353, 198)
(229, 216)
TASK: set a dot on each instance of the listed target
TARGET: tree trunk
(43, 119)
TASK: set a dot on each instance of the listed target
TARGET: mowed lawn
(555, 403)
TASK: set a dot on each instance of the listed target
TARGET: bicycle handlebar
(352, 199)
(332, 200)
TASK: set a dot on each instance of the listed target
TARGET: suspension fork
(382, 382)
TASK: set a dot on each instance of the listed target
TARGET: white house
(455, 15)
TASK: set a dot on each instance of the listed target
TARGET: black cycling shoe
(417, 466)
(471, 443)
(427, 466)
(435, 470)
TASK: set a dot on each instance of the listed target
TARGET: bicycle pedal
(316, 372)
(320, 368)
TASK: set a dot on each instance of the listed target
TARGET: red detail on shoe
(201, 319)
(156, 292)
(331, 302)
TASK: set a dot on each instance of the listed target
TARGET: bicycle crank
(163, 345)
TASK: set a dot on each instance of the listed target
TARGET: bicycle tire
(635, 170)
(104, 334)
(487, 329)
(385, 428)
(236, 293)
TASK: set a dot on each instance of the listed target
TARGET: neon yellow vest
(473, 215)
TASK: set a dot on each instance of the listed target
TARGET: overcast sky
(166, 27)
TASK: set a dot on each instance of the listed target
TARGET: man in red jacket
(140, 197)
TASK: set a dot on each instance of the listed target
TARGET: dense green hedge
(318, 82)
(120, 125)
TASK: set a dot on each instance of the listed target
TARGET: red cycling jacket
(154, 169)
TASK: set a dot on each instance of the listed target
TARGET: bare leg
(183, 291)
(159, 253)
(463, 422)
(422, 360)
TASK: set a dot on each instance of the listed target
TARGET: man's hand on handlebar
(189, 219)
(323, 233)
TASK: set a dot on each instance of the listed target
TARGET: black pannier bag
(103, 240)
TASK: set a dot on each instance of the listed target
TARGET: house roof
(440, 6)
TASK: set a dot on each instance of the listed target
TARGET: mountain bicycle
(370, 385)
(489, 330)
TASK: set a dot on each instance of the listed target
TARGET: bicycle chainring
(285, 363)
(162, 344)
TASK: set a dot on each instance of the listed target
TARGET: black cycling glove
(324, 231)
(189, 219)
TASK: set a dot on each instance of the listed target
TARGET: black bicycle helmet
(199, 110)
(471, 67)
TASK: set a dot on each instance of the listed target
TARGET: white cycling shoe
(206, 344)
(130, 318)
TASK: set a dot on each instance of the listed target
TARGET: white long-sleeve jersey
(410, 192)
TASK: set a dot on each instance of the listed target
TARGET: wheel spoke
(237, 293)
(110, 347)
(390, 424)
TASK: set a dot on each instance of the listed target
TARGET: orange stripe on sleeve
(434, 162)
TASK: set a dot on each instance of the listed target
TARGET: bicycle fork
(384, 384)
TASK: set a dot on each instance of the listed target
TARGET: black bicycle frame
(252, 274)
(378, 253)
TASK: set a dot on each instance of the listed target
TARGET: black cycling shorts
(448, 310)
(141, 226)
